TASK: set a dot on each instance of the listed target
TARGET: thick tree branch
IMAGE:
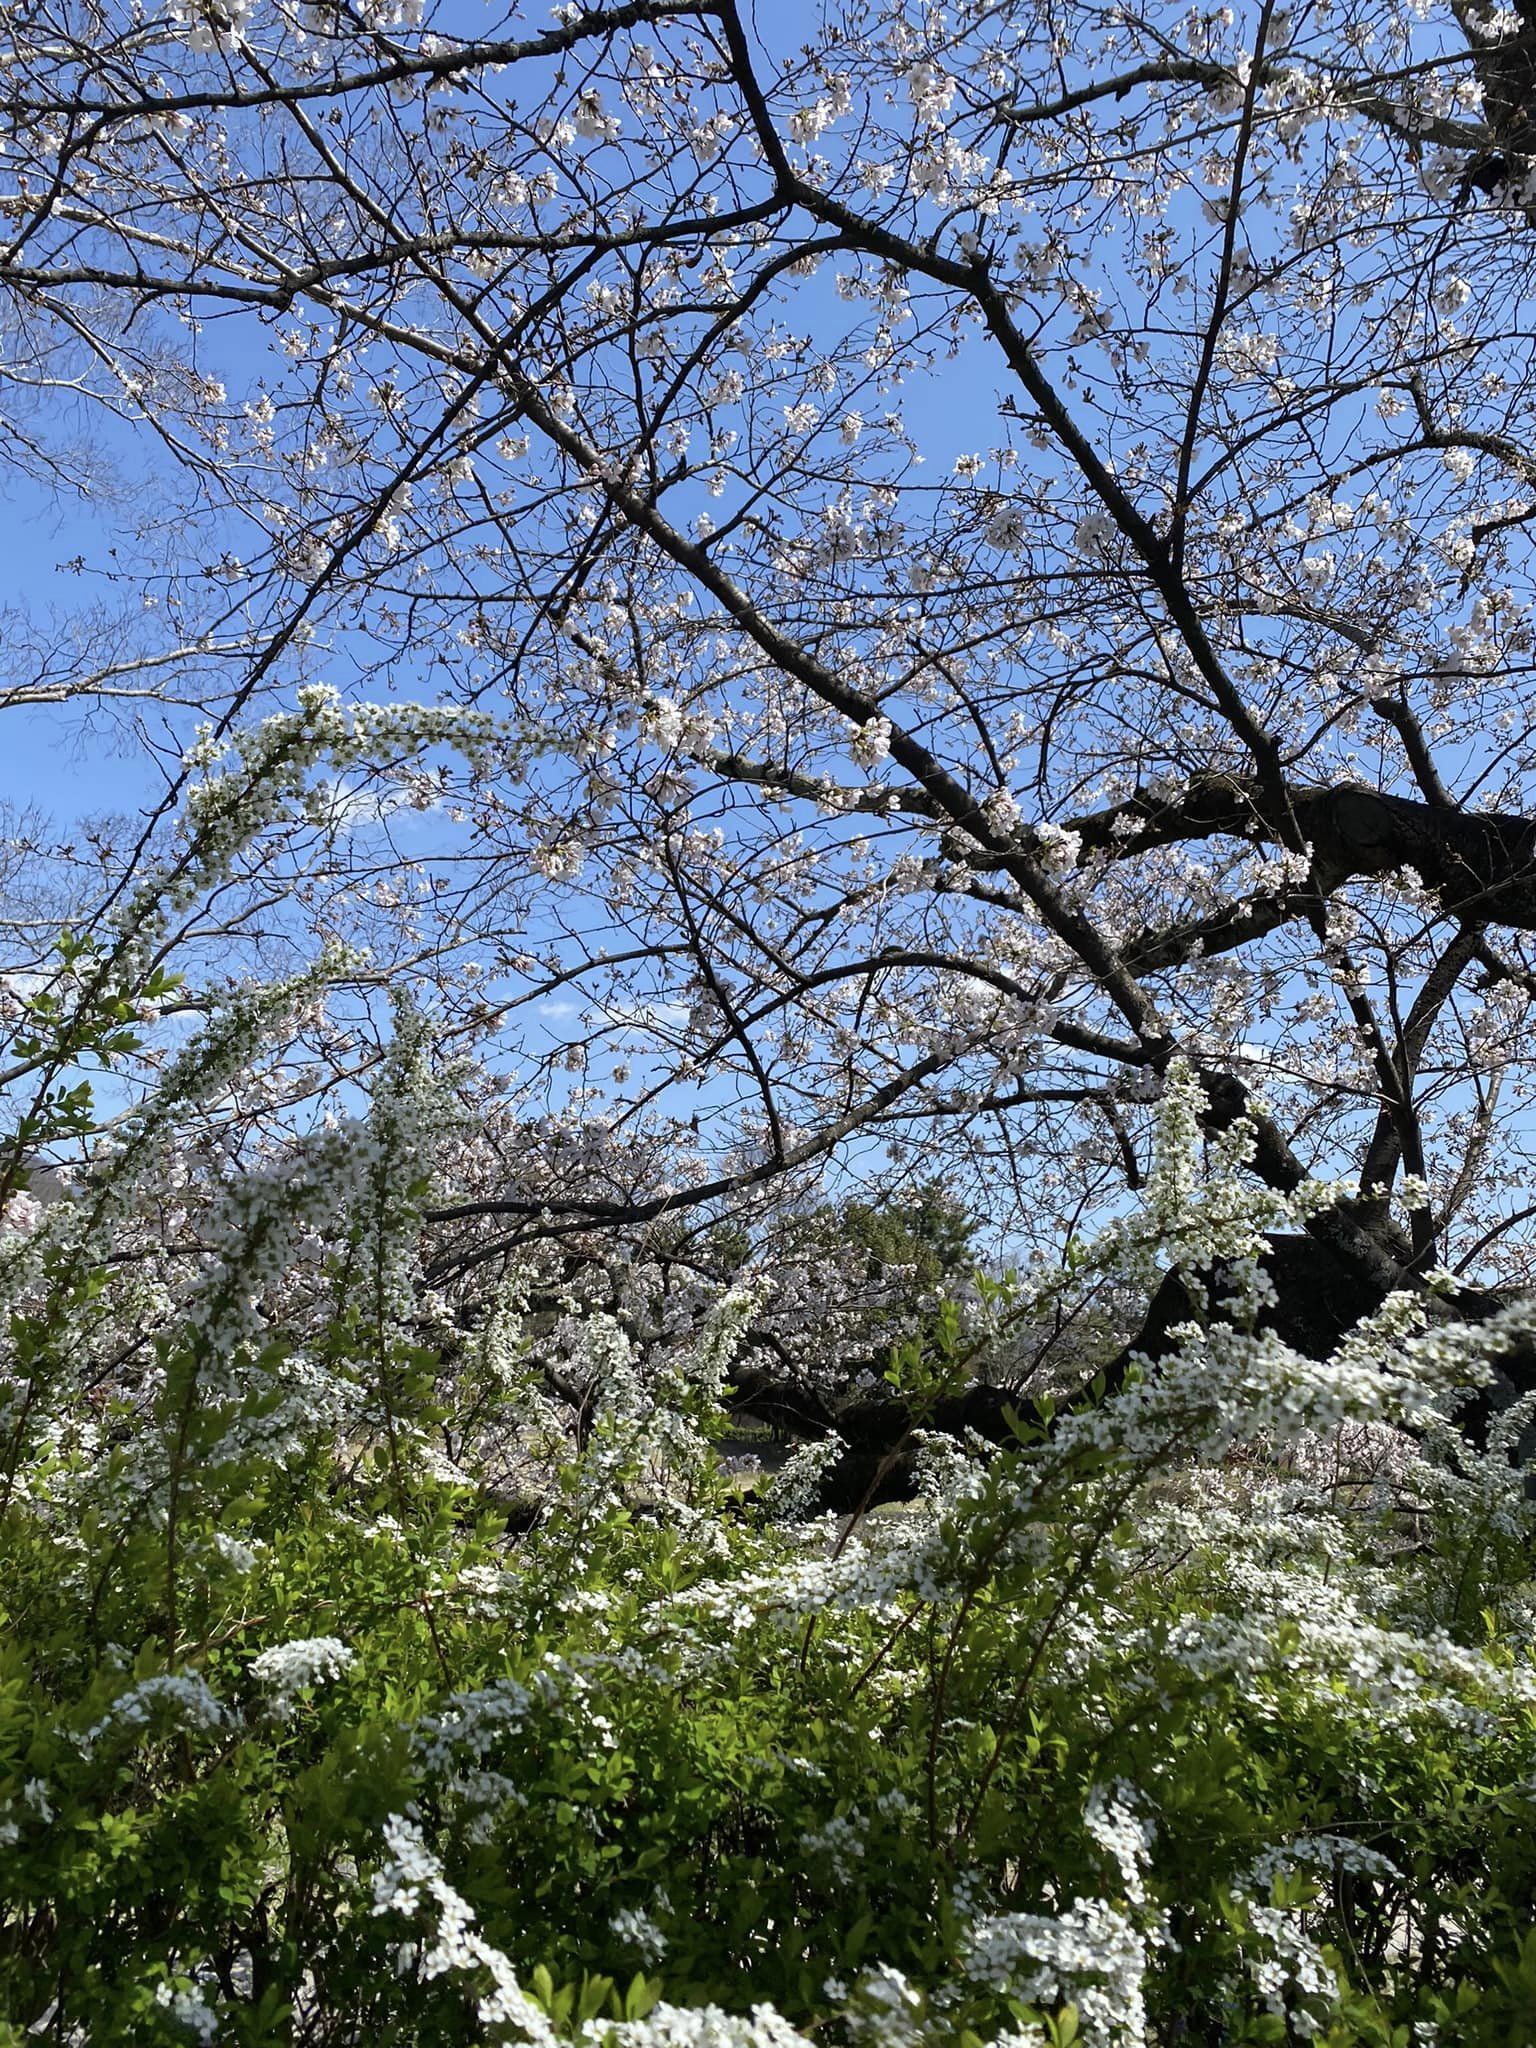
(1481, 864)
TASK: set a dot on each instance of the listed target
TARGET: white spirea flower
(639, 1931)
(173, 1699)
(798, 1480)
(1111, 1820)
(411, 1882)
(190, 2009)
(288, 1669)
(1092, 1954)
(697, 2026)
(887, 2011)
(242, 1556)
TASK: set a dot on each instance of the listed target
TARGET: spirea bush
(1205, 1713)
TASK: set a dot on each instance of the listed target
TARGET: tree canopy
(992, 544)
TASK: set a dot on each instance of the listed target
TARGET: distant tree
(923, 1244)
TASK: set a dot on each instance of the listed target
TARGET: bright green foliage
(668, 1755)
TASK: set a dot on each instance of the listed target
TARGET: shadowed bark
(1320, 1296)
(1481, 864)
(1506, 71)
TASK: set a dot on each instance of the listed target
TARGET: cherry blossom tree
(755, 653)
(997, 537)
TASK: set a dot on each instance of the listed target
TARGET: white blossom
(288, 1669)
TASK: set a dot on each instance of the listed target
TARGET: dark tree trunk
(1320, 1296)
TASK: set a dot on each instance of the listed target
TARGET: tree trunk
(1320, 1296)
